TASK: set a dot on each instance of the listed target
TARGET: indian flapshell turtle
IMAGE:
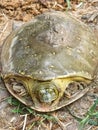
(44, 56)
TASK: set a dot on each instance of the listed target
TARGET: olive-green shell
(53, 44)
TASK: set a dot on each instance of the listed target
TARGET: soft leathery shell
(53, 44)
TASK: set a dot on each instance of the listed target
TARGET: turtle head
(47, 93)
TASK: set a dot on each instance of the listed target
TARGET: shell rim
(74, 98)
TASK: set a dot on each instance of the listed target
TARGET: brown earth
(25, 10)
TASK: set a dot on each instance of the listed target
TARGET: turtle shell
(53, 45)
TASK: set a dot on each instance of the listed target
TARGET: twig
(39, 127)
(25, 120)
(61, 124)
(90, 128)
(45, 126)
(5, 16)
(28, 123)
(4, 29)
(4, 98)
(51, 124)
(56, 4)
(31, 126)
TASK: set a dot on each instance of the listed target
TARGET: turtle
(45, 58)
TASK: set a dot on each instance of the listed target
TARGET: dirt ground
(12, 11)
